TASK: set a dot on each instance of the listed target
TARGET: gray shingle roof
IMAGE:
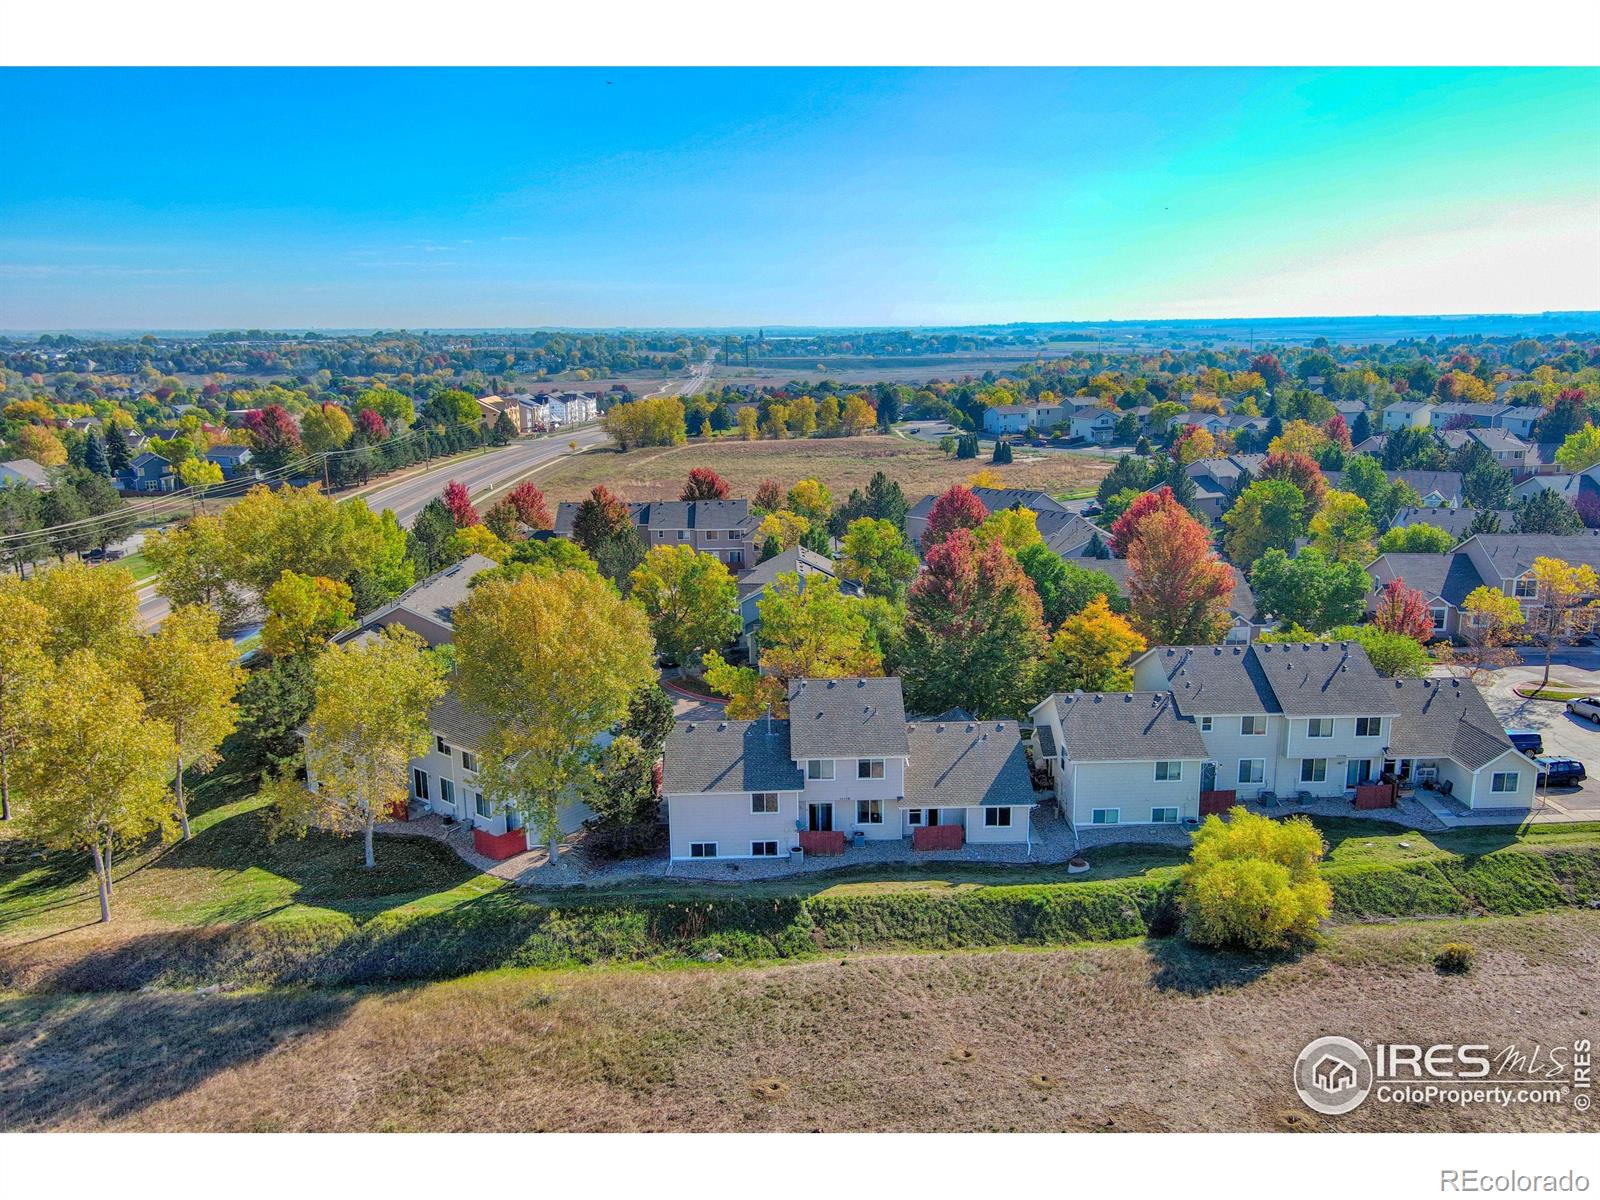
(1513, 554)
(995, 499)
(1318, 679)
(1454, 521)
(1125, 727)
(846, 718)
(427, 608)
(459, 725)
(795, 560)
(729, 756)
(966, 763)
(1216, 679)
(25, 470)
(1444, 718)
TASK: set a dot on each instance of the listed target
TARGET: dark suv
(1560, 772)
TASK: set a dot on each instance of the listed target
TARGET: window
(869, 812)
(1252, 770)
(1105, 816)
(469, 760)
(735, 536)
(1164, 816)
(447, 791)
(1252, 726)
(1437, 615)
(513, 819)
(1168, 771)
(736, 558)
(1504, 781)
(819, 768)
(1369, 726)
(702, 849)
(419, 783)
(481, 806)
(1319, 727)
(1313, 770)
(1525, 588)
(869, 768)
(913, 816)
(763, 802)
(683, 535)
(1205, 724)
(763, 849)
(444, 746)
(997, 818)
(712, 535)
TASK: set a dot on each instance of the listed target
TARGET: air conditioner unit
(1427, 774)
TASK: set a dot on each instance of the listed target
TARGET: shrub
(1455, 958)
(1252, 883)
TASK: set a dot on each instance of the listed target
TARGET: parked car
(1588, 708)
(1529, 741)
(1560, 772)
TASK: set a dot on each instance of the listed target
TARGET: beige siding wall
(1130, 787)
(725, 818)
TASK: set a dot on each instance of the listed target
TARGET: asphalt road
(1565, 736)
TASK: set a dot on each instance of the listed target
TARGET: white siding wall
(977, 831)
(1132, 788)
(1475, 791)
(725, 818)
(844, 789)
(1227, 746)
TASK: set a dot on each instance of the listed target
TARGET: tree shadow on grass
(1192, 970)
(88, 1060)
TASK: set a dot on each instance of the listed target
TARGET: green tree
(95, 768)
(551, 660)
(273, 704)
(430, 543)
(1416, 539)
(690, 599)
(877, 557)
(1267, 516)
(304, 612)
(189, 677)
(1547, 512)
(369, 720)
(1342, 530)
(1309, 589)
(1065, 587)
(1393, 654)
(809, 630)
(1580, 450)
(1253, 883)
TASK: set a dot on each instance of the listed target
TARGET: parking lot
(1565, 736)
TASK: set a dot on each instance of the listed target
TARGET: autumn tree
(459, 501)
(1302, 471)
(1064, 587)
(325, 427)
(1342, 529)
(1416, 539)
(1268, 515)
(1563, 607)
(705, 484)
(957, 508)
(1014, 528)
(95, 768)
(189, 677)
(369, 720)
(530, 506)
(1090, 652)
(304, 612)
(1403, 609)
(1490, 620)
(88, 608)
(810, 630)
(812, 500)
(974, 631)
(1253, 883)
(24, 668)
(551, 659)
(877, 557)
(690, 599)
(600, 516)
(1580, 450)
(1178, 589)
(274, 436)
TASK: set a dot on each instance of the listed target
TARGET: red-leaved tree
(1338, 430)
(370, 426)
(705, 484)
(459, 501)
(769, 497)
(274, 436)
(1178, 588)
(1403, 609)
(958, 508)
(1300, 470)
(530, 506)
(1126, 527)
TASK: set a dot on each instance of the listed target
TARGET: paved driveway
(1565, 736)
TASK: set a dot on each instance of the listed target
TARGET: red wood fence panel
(938, 837)
(822, 841)
(1217, 802)
(499, 845)
(1375, 795)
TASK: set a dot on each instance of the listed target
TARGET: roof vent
(938, 728)
(721, 725)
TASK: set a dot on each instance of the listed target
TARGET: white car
(1588, 708)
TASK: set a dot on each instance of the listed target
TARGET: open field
(1145, 1035)
(654, 473)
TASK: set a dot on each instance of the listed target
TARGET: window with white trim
(819, 768)
(1369, 726)
(1105, 816)
(1525, 588)
(763, 802)
(481, 806)
(1319, 727)
(1252, 726)
(1205, 724)
(443, 746)
(1313, 770)
(913, 816)
(1168, 770)
(1252, 770)
(997, 818)
(869, 768)
(1437, 616)
(763, 849)
(1164, 815)
(469, 761)
(1504, 781)
(712, 535)
(447, 791)
(702, 849)
(869, 812)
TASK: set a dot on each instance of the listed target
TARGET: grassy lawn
(1553, 692)
(654, 473)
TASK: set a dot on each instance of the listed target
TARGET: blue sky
(453, 198)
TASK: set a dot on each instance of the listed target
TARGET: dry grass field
(1141, 1036)
(654, 473)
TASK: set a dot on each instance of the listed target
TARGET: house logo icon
(1333, 1075)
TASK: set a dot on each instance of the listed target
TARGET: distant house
(723, 529)
(753, 584)
(1217, 479)
(1437, 489)
(993, 499)
(1454, 521)
(1510, 451)
(1407, 414)
(1091, 423)
(24, 470)
(233, 460)
(147, 472)
(1019, 418)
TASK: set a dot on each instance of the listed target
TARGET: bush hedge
(499, 930)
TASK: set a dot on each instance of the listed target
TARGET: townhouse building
(844, 765)
(724, 529)
(1262, 720)
(753, 584)
(1021, 418)
(994, 500)
(24, 471)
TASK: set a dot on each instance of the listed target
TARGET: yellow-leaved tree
(94, 769)
(369, 720)
(24, 668)
(1342, 529)
(1563, 605)
(189, 677)
(1252, 883)
(551, 659)
(1091, 651)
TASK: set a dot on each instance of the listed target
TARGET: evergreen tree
(118, 455)
(1002, 452)
(94, 456)
(428, 544)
